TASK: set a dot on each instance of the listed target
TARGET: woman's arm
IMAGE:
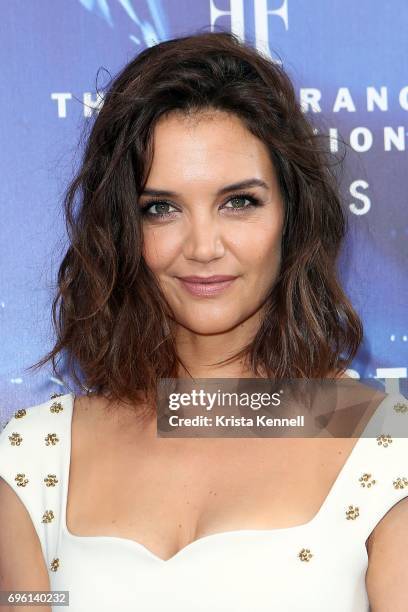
(22, 565)
(387, 574)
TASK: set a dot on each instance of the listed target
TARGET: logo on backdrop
(262, 15)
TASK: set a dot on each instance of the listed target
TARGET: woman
(200, 166)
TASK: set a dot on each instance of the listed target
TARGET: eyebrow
(252, 182)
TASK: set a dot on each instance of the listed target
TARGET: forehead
(206, 149)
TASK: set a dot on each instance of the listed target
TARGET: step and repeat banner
(347, 61)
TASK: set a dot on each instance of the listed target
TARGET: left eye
(239, 199)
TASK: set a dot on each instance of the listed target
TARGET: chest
(167, 493)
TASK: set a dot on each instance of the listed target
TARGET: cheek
(160, 248)
(258, 246)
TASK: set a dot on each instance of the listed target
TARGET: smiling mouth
(205, 288)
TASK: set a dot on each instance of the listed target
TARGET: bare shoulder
(387, 547)
(93, 409)
(95, 416)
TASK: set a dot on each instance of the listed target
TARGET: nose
(203, 240)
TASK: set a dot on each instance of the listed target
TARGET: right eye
(161, 208)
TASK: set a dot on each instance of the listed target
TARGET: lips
(208, 286)
(216, 278)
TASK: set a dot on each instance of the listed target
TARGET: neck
(201, 353)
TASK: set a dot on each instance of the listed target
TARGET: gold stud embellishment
(20, 413)
(56, 407)
(367, 481)
(21, 480)
(54, 395)
(305, 554)
(401, 407)
(51, 438)
(55, 563)
(51, 480)
(352, 513)
(384, 440)
(48, 516)
(400, 483)
(15, 439)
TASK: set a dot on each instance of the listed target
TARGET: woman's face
(198, 224)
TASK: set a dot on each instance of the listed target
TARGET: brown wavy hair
(109, 313)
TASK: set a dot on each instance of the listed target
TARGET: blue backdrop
(348, 64)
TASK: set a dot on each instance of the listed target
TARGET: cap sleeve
(33, 460)
(381, 477)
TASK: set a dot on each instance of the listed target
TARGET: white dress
(316, 566)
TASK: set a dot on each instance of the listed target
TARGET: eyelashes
(146, 208)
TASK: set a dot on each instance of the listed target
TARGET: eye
(161, 208)
(236, 200)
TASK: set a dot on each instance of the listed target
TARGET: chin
(209, 326)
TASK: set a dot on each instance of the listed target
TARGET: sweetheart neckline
(136, 544)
